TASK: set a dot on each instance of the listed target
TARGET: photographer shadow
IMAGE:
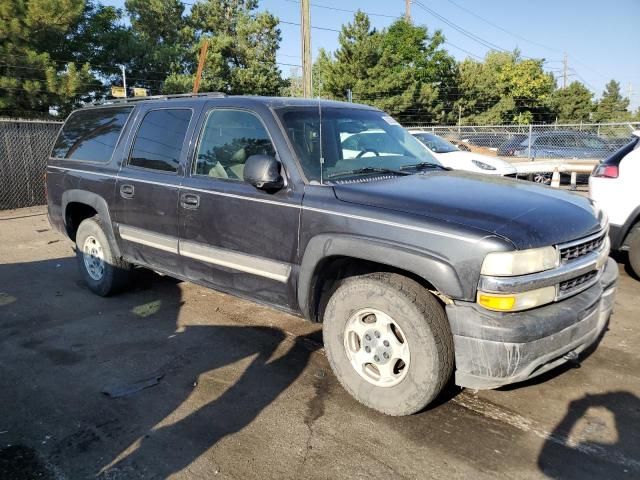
(599, 437)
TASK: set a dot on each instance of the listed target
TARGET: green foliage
(241, 58)
(159, 43)
(573, 104)
(504, 88)
(612, 107)
(401, 69)
(46, 47)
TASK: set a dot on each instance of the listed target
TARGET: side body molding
(433, 269)
(98, 203)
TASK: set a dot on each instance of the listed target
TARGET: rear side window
(159, 139)
(91, 135)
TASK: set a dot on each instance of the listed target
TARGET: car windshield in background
(435, 143)
(355, 142)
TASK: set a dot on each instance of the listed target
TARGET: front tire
(389, 342)
(634, 249)
(101, 270)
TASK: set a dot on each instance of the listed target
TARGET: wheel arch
(330, 258)
(78, 205)
(626, 229)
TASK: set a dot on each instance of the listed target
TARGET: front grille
(569, 286)
(576, 251)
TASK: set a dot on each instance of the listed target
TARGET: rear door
(233, 236)
(148, 185)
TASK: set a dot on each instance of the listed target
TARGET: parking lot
(174, 380)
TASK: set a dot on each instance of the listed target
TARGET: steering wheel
(367, 150)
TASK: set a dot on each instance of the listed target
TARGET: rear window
(91, 135)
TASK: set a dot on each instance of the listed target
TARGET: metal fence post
(530, 132)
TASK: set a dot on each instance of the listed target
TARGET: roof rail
(157, 97)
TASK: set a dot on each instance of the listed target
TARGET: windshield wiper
(423, 166)
(358, 171)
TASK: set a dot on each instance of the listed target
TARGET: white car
(613, 185)
(451, 156)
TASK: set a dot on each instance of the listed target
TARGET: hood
(527, 214)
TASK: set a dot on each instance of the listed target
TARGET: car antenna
(320, 134)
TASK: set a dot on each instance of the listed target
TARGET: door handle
(190, 200)
(127, 191)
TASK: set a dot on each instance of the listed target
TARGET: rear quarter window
(91, 135)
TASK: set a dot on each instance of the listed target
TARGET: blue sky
(598, 37)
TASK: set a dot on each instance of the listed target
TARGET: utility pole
(407, 10)
(565, 64)
(201, 59)
(629, 90)
(124, 80)
(305, 33)
(459, 117)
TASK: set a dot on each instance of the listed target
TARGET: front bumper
(494, 349)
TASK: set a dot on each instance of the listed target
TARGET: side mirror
(263, 172)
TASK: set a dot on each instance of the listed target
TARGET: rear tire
(102, 271)
(633, 240)
(382, 313)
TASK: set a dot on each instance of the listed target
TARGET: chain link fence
(24, 148)
(585, 142)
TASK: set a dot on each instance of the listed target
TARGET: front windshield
(435, 143)
(353, 140)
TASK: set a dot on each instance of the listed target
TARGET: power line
(463, 50)
(503, 29)
(513, 34)
(466, 33)
(314, 28)
(327, 7)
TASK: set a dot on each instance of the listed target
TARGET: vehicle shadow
(212, 379)
(599, 437)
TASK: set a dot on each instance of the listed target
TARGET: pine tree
(612, 107)
(400, 69)
(241, 58)
(32, 79)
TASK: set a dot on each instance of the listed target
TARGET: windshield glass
(352, 139)
(435, 143)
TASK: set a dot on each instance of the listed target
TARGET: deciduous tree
(573, 104)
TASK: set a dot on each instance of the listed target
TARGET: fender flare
(99, 204)
(436, 270)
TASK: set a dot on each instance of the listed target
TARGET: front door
(148, 186)
(233, 236)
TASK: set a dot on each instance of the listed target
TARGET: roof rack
(157, 97)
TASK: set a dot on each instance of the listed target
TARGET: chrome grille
(569, 286)
(578, 249)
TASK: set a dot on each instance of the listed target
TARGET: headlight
(520, 262)
(482, 165)
(514, 302)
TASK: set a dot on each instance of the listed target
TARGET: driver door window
(228, 138)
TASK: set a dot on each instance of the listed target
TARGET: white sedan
(450, 156)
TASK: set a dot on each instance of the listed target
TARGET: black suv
(416, 272)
